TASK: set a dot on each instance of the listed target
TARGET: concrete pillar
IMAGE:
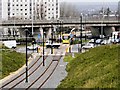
(41, 31)
(108, 31)
(49, 33)
(95, 31)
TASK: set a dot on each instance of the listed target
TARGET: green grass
(77, 41)
(10, 62)
(97, 68)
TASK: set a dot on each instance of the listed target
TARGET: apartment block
(30, 9)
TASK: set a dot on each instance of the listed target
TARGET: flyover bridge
(95, 23)
(64, 21)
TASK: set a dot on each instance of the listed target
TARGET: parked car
(10, 43)
(104, 42)
(88, 45)
(98, 41)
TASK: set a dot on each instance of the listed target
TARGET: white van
(10, 43)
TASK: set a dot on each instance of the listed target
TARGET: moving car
(54, 45)
(32, 47)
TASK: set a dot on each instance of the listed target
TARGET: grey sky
(90, 0)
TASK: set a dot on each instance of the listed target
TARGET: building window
(49, 9)
(45, 2)
(52, 4)
(8, 13)
(16, 4)
(13, 14)
(13, 5)
(21, 5)
(21, 9)
(8, 4)
(25, 4)
(52, 8)
(25, 13)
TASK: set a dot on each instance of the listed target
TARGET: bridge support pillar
(108, 30)
(41, 31)
(95, 31)
(49, 33)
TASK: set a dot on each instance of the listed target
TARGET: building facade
(30, 9)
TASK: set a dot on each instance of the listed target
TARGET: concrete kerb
(19, 70)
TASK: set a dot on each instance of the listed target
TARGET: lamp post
(43, 48)
(26, 59)
(81, 31)
(102, 23)
(52, 39)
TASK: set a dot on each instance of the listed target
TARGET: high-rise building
(50, 9)
(23, 9)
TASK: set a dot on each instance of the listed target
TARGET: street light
(81, 31)
(60, 30)
(52, 39)
(26, 59)
(43, 49)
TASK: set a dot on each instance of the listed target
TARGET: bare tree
(68, 10)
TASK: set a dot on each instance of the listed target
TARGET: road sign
(39, 36)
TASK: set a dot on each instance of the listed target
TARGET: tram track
(45, 73)
(24, 72)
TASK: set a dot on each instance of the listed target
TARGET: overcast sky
(90, 0)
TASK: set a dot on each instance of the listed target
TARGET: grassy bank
(97, 68)
(11, 61)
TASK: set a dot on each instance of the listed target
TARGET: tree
(108, 12)
(68, 10)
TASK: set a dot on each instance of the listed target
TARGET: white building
(50, 9)
(22, 9)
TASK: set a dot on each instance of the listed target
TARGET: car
(114, 40)
(104, 42)
(32, 47)
(98, 41)
(91, 41)
(54, 45)
(88, 46)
